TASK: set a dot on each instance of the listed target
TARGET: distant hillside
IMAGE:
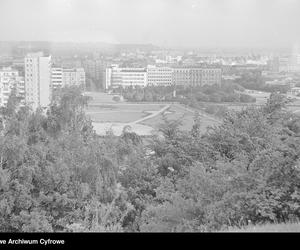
(67, 48)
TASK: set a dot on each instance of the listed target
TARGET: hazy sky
(252, 23)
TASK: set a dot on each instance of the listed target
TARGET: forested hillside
(57, 175)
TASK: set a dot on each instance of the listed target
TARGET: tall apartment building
(10, 79)
(125, 77)
(159, 76)
(37, 80)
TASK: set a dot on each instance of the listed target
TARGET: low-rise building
(10, 79)
(125, 77)
(159, 76)
(295, 91)
(73, 77)
(181, 76)
(162, 76)
(56, 77)
(196, 76)
(211, 76)
(62, 77)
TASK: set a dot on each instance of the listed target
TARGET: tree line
(227, 92)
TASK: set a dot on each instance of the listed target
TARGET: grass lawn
(102, 109)
(176, 112)
(122, 112)
(116, 116)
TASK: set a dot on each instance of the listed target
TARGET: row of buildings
(285, 64)
(288, 63)
(40, 77)
(161, 76)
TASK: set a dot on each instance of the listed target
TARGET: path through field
(154, 113)
(143, 118)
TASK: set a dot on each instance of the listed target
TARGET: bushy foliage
(255, 81)
(249, 172)
(56, 174)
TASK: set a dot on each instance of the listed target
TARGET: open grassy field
(282, 227)
(107, 114)
(121, 112)
(178, 112)
(116, 116)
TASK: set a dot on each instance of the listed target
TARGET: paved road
(154, 113)
(296, 111)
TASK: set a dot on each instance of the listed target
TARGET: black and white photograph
(148, 116)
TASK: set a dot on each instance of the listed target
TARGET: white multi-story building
(9, 79)
(125, 77)
(37, 80)
(56, 77)
(61, 77)
(159, 76)
(73, 77)
(162, 76)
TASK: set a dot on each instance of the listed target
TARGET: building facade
(162, 76)
(196, 76)
(125, 77)
(181, 76)
(73, 77)
(9, 80)
(37, 80)
(56, 77)
(211, 76)
(96, 71)
(61, 77)
(159, 76)
(295, 60)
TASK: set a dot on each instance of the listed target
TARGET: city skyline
(180, 23)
